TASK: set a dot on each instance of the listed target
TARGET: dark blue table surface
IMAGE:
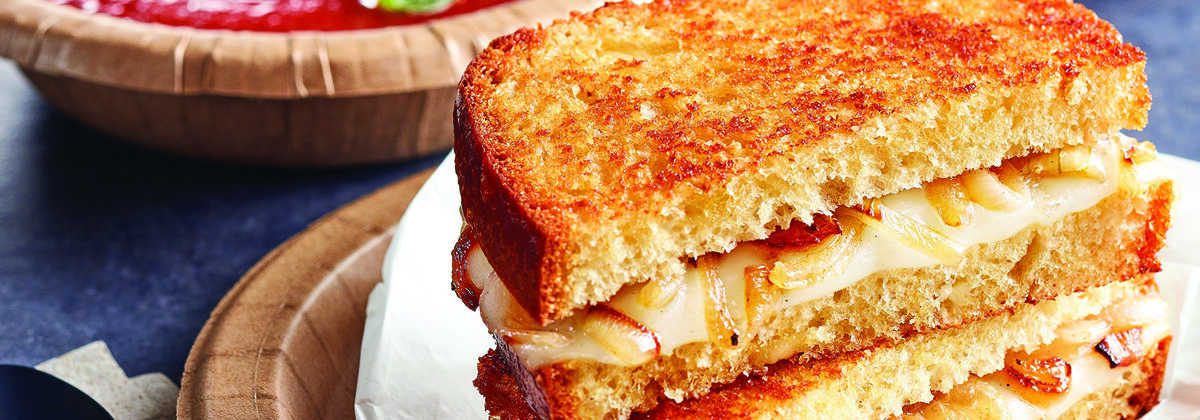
(104, 241)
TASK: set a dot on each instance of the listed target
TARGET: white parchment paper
(421, 345)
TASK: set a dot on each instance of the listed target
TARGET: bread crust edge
(515, 239)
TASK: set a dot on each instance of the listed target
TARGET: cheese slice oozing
(1005, 395)
(639, 331)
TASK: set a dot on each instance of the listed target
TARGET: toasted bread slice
(1132, 397)
(1115, 240)
(881, 381)
(604, 149)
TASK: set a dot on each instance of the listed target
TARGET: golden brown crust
(517, 247)
(461, 281)
(1145, 393)
(576, 146)
(1158, 220)
(743, 397)
(502, 396)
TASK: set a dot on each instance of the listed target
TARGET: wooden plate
(284, 342)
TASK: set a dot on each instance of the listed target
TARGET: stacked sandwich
(798, 209)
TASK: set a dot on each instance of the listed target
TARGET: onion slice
(1074, 159)
(1079, 160)
(1121, 348)
(1012, 178)
(627, 340)
(986, 188)
(1128, 179)
(875, 215)
(535, 338)
(970, 400)
(721, 329)
(500, 309)
(1049, 375)
(818, 262)
(658, 292)
(761, 294)
(950, 200)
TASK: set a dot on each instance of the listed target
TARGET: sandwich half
(662, 198)
(1098, 354)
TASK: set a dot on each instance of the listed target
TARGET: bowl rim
(54, 39)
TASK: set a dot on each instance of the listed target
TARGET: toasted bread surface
(600, 150)
(1113, 241)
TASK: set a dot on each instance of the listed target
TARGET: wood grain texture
(285, 341)
(302, 132)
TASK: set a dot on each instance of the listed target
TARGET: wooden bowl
(285, 341)
(288, 99)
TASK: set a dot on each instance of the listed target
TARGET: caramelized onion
(1121, 348)
(1078, 160)
(503, 311)
(912, 233)
(721, 329)
(970, 400)
(627, 340)
(659, 292)
(760, 294)
(986, 188)
(820, 261)
(801, 234)
(535, 338)
(950, 200)
(1074, 159)
(516, 317)
(1128, 179)
(1045, 164)
(1012, 178)
(1049, 375)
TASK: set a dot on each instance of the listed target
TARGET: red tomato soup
(266, 15)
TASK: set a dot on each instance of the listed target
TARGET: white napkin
(93, 370)
(421, 345)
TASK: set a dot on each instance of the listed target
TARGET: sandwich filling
(723, 296)
(1087, 356)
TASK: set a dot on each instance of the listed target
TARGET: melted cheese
(682, 321)
(1090, 372)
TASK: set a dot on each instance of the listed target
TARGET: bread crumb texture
(879, 381)
(600, 150)
(1038, 264)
